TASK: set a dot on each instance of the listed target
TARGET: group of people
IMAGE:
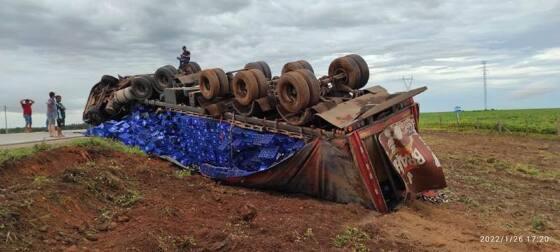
(56, 114)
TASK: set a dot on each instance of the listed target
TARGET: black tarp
(320, 169)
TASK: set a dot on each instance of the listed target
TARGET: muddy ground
(88, 199)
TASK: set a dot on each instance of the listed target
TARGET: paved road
(25, 139)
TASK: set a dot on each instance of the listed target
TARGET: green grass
(538, 223)
(182, 173)
(128, 199)
(91, 142)
(104, 143)
(352, 237)
(540, 121)
(19, 153)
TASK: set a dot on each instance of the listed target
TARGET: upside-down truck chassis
(356, 145)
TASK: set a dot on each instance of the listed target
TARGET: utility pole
(485, 87)
(6, 118)
(407, 82)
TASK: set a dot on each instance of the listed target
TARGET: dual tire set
(296, 90)
(147, 86)
(151, 86)
(292, 94)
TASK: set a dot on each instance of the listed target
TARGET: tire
(266, 69)
(172, 69)
(192, 67)
(364, 68)
(157, 88)
(245, 87)
(306, 65)
(293, 91)
(349, 68)
(295, 65)
(261, 81)
(209, 84)
(141, 88)
(290, 66)
(314, 86)
(225, 88)
(260, 65)
(109, 80)
(165, 76)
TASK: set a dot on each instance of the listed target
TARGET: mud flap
(413, 160)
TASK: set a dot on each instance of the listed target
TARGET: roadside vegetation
(91, 142)
(540, 121)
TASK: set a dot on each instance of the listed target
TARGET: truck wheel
(295, 65)
(245, 87)
(306, 65)
(156, 88)
(172, 69)
(165, 76)
(314, 86)
(260, 65)
(364, 68)
(209, 84)
(266, 69)
(191, 68)
(293, 91)
(262, 82)
(352, 75)
(141, 88)
(109, 80)
(225, 88)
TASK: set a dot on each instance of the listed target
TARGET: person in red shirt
(26, 105)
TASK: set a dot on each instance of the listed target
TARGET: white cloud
(531, 90)
(548, 54)
(68, 46)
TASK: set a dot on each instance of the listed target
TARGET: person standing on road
(61, 115)
(26, 105)
(51, 114)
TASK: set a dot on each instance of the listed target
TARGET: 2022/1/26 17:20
(514, 238)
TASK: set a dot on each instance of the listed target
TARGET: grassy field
(541, 121)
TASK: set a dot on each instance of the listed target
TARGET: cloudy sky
(66, 46)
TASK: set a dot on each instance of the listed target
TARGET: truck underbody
(358, 144)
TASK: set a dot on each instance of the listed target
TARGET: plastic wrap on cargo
(218, 148)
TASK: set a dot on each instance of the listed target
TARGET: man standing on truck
(184, 58)
(61, 115)
(26, 105)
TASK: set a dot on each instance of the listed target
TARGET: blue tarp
(218, 148)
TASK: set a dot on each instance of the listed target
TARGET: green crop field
(542, 121)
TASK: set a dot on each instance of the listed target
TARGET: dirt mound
(76, 198)
(80, 199)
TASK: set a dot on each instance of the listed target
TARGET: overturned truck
(327, 137)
